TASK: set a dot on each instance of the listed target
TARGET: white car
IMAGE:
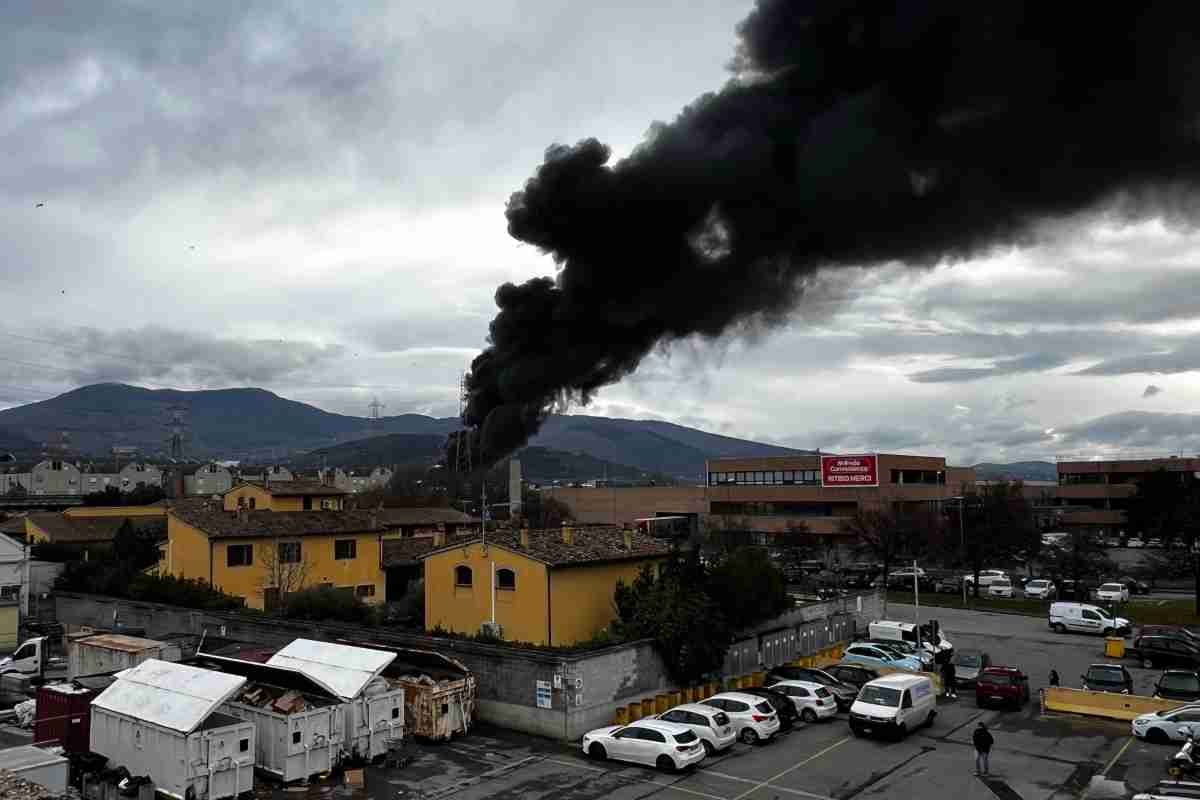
(1135, 542)
(812, 700)
(647, 741)
(753, 718)
(1001, 587)
(1112, 593)
(986, 577)
(712, 725)
(1164, 726)
(1040, 589)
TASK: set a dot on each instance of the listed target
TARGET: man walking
(948, 675)
(1054, 677)
(983, 745)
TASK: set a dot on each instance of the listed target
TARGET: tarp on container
(170, 695)
(344, 669)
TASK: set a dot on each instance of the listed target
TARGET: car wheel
(1157, 736)
(1107, 632)
(808, 715)
(709, 750)
(665, 764)
(902, 731)
(929, 720)
(1147, 664)
(598, 752)
(855, 730)
(749, 736)
(1060, 628)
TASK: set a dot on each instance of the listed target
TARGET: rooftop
(62, 529)
(590, 544)
(297, 488)
(410, 550)
(172, 696)
(426, 516)
(212, 519)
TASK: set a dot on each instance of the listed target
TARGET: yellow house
(285, 496)
(261, 555)
(547, 587)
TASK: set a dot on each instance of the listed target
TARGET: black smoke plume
(851, 133)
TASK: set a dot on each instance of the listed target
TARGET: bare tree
(285, 567)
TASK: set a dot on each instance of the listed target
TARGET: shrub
(326, 602)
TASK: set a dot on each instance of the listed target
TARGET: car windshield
(1180, 682)
(880, 696)
(1038, 584)
(1105, 675)
(998, 679)
(1002, 582)
(685, 737)
(765, 708)
(1111, 587)
(967, 659)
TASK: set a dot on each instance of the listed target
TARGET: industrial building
(766, 496)
(1095, 495)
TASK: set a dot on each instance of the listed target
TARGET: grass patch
(1139, 612)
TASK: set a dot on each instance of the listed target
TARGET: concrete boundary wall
(555, 694)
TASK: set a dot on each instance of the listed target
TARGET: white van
(886, 630)
(893, 705)
(1085, 618)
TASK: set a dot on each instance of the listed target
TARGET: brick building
(1096, 494)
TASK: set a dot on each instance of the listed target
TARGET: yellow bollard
(661, 703)
(685, 694)
(635, 711)
(622, 716)
(674, 699)
(757, 678)
(648, 707)
(711, 688)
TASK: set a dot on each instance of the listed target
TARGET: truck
(30, 660)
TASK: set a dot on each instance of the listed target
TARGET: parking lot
(1036, 755)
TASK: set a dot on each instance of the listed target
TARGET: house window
(295, 737)
(243, 745)
(289, 552)
(364, 590)
(10, 592)
(239, 555)
(345, 548)
(462, 576)
(329, 505)
(252, 503)
(506, 579)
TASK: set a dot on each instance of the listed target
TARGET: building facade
(546, 587)
(1095, 495)
(767, 496)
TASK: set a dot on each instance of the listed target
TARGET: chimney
(524, 538)
(628, 533)
(568, 534)
(439, 537)
(242, 514)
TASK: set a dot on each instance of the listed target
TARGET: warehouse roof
(62, 529)
(589, 545)
(172, 696)
(344, 669)
(217, 523)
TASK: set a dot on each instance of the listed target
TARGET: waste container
(1114, 647)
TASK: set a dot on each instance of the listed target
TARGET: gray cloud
(1035, 362)
(1152, 390)
(1184, 358)
(1135, 432)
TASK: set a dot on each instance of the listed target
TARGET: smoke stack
(851, 135)
(568, 534)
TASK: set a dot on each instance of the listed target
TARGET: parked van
(893, 705)
(885, 630)
(1085, 618)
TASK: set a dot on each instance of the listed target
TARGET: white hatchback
(1112, 593)
(712, 725)
(1000, 587)
(812, 700)
(1161, 727)
(753, 718)
(648, 741)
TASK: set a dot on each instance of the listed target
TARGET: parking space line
(797, 792)
(792, 768)
(1120, 753)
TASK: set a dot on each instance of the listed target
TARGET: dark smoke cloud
(853, 133)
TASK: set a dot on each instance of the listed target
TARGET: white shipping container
(37, 766)
(108, 652)
(160, 719)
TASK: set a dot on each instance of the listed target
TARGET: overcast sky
(311, 199)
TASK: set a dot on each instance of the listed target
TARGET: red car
(1001, 686)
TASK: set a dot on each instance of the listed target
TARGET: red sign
(859, 470)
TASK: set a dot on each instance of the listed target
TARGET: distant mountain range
(257, 425)
(1020, 470)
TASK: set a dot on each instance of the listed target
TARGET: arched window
(462, 576)
(506, 578)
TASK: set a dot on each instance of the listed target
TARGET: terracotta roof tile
(66, 530)
(426, 516)
(220, 524)
(591, 544)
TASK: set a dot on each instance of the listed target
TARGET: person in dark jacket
(1054, 677)
(948, 675)
(983, 745)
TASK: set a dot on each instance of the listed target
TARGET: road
(1037, 756)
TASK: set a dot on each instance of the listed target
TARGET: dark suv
(1160, 652)
(1178, 684)
(1108, 678)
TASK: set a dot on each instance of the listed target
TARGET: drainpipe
(493, 563)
